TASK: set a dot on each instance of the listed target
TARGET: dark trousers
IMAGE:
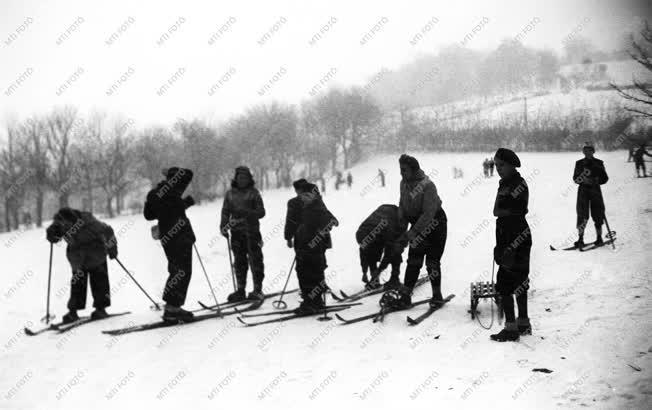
(247, 249)
(589, 198)
(432, 247)
(179, 255)
(99, 279)
(310, 267)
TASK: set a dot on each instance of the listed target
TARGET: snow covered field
(591, 312)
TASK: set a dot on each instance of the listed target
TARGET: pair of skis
(284, 316)
(227, 305)
(586, 247)
(368, 292)
(61, 327)
(379, 316)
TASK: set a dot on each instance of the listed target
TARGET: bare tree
(13, 177)
(34, 142)
(61, 127)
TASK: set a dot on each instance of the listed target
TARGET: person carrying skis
(513, 243)
(639, 161)
(165, 204)
(377, 237)
(589, 174)
(420, 206)
(242, 210)
(307, 229)
(89, 243)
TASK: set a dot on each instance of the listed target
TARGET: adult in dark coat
(589, 174)
(165, 204)
(377, 237)
(421, 208)
(241, 211)
(307, 229)
(513, 243)
(89, 243)
(639, 161)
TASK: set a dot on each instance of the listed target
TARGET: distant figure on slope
(492, 164)
(164, 203)
(630, 156)
(485, 168)
(338, 180)
(513, 243)
(381, 175)
(421, 208)
(378, 237)
(242, 210)
(307, 229)
(349, 179)
(639, 161)
(589, 174)
(89, 243)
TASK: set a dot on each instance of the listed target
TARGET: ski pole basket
(482, 290)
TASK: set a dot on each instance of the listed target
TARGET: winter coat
(381, 229)
(419, 204)
(590, 172)
(164, 203)
(513, 236)
(242, 209)
(315, 223)
(89, 240)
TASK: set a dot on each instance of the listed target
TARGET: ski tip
(411, 321)
(344, 295)
(29, 332)
(340, 318)
(552, 248)
(242, 321)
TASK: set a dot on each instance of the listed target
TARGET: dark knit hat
(410, 162)
(508, 156)
(243, 170)
(300, 185)
(68, 214)
(588, 145)
(170, 172)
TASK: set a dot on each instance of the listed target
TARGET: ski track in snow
(598, 323)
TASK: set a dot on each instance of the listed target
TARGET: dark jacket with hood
(309, 222)
(242, 207)
(164, 203)
(89, 240)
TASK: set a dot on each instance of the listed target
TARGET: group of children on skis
(417, 222)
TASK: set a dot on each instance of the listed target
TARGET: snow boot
(508, 334)
(392, 283)
(237, 296)
(524, 326)
(99, 313)
(310, 306)
(374, 283)
(256, 295)
(70, 317)
(579, 243)
(598, 236)
(177, 314)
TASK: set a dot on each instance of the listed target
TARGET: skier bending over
(420, 206)
(307, 229)
(164, 203)
(513, 243)
(242, 210)
(589, 174)
(377, 237)
(89, 242)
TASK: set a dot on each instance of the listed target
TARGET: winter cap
(243, 170)
(508, 156)
(588, 145)
(169, 173)
(410, 162)
(68, 214)
(301, 185)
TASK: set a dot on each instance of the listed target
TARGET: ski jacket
(381, 229)
(590, 172)
(164, 203)
(89, 240)
(513, 236)
(419, 204)
(312, 233)
(242, 209)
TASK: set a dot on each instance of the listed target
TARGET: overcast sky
(52, 42)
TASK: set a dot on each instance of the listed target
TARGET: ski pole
(610, 234)
(156, 306)
(279, 304)
(325, 317)
(48, 317)
(228, 243)
(217, 305)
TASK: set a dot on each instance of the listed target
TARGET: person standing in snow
(513, 243)
(242, 210)
(307, 229)
(165, 204)
(89, 243)
(381, 175)
(377, 237)
(421, 208)
(589, 174)
(349, 179)
(492, 164)
(639, 161)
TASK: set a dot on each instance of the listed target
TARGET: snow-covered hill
(591, 313)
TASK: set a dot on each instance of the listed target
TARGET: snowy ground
(591, 313)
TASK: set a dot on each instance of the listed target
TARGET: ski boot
(392, 283)
(579, 243)
(237, 296)
(177, 314)
(396, 299)
(70, 317)
(256, 295)
(374, 283)
(310, 306)
(524, 326)
(99, 313)
(508, 334)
